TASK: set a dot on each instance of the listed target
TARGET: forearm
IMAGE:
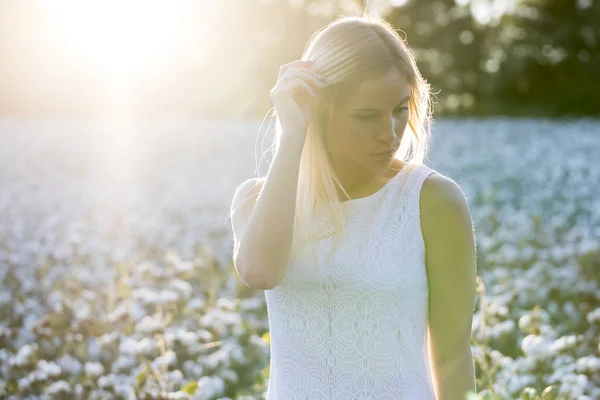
(266, 244)
(454, 379)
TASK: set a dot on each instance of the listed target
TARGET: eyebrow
(375, 109)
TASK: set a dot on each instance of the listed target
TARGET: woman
(366, 255)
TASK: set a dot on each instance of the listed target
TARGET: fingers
(298, 63)
(299, 83)
(297, 77)
(296, 89)
(293, 87)
(313, 79)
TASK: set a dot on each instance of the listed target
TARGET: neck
(358, 181)
(354, 178)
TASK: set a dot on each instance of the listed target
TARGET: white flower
(126, 391)
(108, 338)
(196, 304)
(192, 369)
(564, 342)
(187, 338)
(210, 386)
(227, 304)
(24, 382)
(128, 346)
(58, 387)
(23, 356)
(149, 325)
(146, 346)
(535, 346)
(49, 368)
(167, 296)
(124, 363)
(94, 350)
(70, 365)
(179, 396)
(184, 266)
(5, 298)
(593, 316)
(94, 369)
(182, 287)
(169, 358)
(175, 376)
(589, 364)
(525, 322)
(144, 295)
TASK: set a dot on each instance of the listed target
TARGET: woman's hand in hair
(297, 87)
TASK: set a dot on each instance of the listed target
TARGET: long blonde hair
(345, 52)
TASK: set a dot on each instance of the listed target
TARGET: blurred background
(220, 58)
(126, 126)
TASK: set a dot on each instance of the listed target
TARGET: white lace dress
(356, 328)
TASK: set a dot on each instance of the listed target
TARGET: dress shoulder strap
(414, 184)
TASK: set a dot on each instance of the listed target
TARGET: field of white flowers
(116, 280)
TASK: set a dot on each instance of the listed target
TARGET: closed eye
(374, 116)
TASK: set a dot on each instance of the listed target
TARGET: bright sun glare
(122, 39)
(124, 45)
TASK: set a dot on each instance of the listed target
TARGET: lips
(385, 153)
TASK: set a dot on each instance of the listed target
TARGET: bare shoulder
(243, 200)
(247, 192)
(440, 190)
(443, 207)
(242, 205)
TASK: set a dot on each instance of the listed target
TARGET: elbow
(262, 285)
(258, 281)
(254, 276)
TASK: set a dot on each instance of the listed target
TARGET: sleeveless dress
(356, 327)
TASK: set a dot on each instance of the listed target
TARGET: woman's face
(372, 119)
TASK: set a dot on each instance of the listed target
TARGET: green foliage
(538, 59)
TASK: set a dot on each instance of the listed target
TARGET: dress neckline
(385, 187)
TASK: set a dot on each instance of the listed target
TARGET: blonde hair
(345, 52)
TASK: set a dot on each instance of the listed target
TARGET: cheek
(359, 137)
(402, 124)
(348, 136)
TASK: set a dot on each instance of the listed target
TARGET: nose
(388, 131)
